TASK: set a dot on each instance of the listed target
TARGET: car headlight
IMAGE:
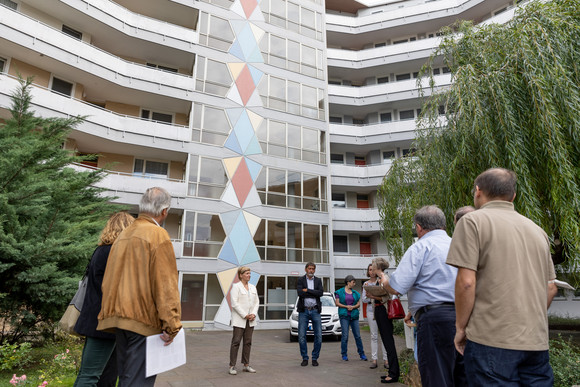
(294, 316)
(335, 317)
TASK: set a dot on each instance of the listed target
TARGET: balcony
(381, 93)
(100, 123)
(381, 56)
(84, 62)
(355, 219)
(372, 134)
(358, 176)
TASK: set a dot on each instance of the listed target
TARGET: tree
(514, 102)
(51, 218)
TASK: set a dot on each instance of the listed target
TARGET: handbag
(73, 311)
(395, 309)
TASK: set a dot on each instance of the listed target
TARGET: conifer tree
(51, 216)
(514, 102)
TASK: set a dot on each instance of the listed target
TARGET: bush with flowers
(15, 356)
(60, 366)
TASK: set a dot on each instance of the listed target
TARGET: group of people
(479, 300)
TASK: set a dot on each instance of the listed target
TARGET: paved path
(276, 360)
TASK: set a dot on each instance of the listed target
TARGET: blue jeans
(345, 322)
(491, 366)
(303, 318)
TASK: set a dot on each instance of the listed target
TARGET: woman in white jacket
(245, 302)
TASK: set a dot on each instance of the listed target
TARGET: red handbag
(395, 309)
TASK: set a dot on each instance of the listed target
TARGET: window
(436, 71)
(72, 32)
(2, 64)
(446, 70)
(340, 243)
(403, 77)
(150, 168)
(338, 199)
(360, 160)
(408, 151)
(336, 158)
(9, 4)
(441, 110)
(388, 155)
(62, 87)
(156, 116)
(406, 114)
(291, 241)
(335, 120)
(207, 177)
(383, 80)
(400, 41)
(386, 117)
(382, 44)
(358, 121)
(281, 188)
(160, 67)
(203, 235)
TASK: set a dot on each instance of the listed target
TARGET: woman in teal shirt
(348, 302)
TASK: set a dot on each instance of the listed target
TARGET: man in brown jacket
(140, 288)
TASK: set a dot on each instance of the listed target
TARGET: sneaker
(249, 369)
(345, 358)
(233, 371)
(363, 357)
(315, 363)
(304, 363)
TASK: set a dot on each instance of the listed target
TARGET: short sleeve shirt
(511, 257)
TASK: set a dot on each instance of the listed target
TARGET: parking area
(276, 360)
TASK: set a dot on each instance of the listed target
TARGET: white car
(329, 317)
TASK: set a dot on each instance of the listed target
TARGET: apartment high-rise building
(270, 122)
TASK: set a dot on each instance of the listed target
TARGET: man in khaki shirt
(503, 289)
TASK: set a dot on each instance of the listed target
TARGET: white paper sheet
(161, 358)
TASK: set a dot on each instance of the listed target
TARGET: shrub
(565, 361)
(398, 328)
(14, 356)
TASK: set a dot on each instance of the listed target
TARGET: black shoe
(314, 363)
(384, 380)
(304, 363)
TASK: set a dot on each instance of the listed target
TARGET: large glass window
(210, 124)
(150, 168)
(292, 141)
(203, 235)
(294, 56)
(207, 177)
(215, 32)
(212, 77)
(192, 287)
(62, 87)
(293, 17)
(278, 187)
(292, 241)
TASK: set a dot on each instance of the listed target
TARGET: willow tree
(514, 102)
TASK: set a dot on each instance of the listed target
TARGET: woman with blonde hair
(245, 302)
(96, 369)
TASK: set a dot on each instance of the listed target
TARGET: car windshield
(327, 301)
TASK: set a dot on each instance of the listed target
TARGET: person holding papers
(140, 289)
(245, 302)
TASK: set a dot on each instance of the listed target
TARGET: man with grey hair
(429, 283)
(140, 288)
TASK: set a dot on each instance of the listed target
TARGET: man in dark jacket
(309, 308)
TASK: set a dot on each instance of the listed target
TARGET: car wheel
(293, 338)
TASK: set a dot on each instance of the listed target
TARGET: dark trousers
(386, 330)
(246, 334)
(95, 358)
(131, 349)
(439, 363)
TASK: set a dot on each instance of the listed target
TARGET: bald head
(497, 184)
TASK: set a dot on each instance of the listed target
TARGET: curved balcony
(358, 176)
(357, 261)
(84, 59)
(355, 219)
(380, 56)
(361, 135)
(400, 14)
(377, 94)
(126, 22)
(104, 129)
